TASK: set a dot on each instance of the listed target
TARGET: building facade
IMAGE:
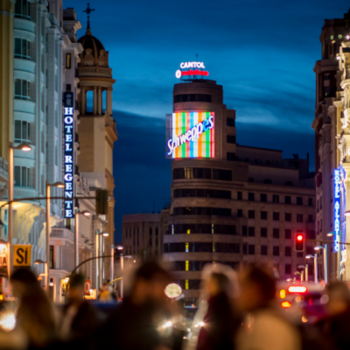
(97, 133)
(231, 204)
(328, 129)
(142, 236)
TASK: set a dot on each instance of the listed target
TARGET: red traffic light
(299, 242)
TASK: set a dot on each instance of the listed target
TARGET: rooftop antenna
(88, 11)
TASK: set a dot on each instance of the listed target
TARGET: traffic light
(299, 242)
(101, 202)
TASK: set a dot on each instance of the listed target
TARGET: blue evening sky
(262, 52)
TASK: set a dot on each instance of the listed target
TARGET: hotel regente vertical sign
(336, 203)
(68, 101)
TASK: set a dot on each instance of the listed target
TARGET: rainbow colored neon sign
(192, 135)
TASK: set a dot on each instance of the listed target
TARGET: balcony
(62, 233)
(3, 170)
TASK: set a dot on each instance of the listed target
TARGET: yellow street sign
(22, 254)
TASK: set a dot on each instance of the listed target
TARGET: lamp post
(97, 252)
(48, 212)
(315, 264)
(25, 148)
(325, 267)
(306, 271)
(76, 235)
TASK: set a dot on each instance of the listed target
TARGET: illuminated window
(188, 231)
(187, 265)
(187, 247)
(186, 284)
(213, 247)
(68, 60)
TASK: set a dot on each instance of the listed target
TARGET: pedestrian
(79, 318)
(134, 324)
(220, 323)
(35, 314)
(264, 326)
(334, 327)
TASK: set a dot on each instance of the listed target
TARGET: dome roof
(88, 41)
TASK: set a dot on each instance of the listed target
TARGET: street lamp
(306, 271)
(25, 148)
(97, 252)
(310, 256)
(87, 214)
(39, 261)
(48, 212)
(325, 267)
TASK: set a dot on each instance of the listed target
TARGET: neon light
(192, 135)
(336, 219)
(68, 154)
(184, 65)
(195, 72)
(297, 289)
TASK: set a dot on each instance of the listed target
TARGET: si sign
(22, 254)
(68, 154)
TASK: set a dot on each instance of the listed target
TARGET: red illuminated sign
(191, 72)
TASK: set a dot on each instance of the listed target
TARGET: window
(263, 232)
(299, 217)
(230, 121)
(287, 200)
(22, 9)
(310, 218)
(263, 250)
(192, 98)
(231, 156)
(68, 60)
(251, 214)
(310, 234)
(275, 251)
(244, 230)
(251, 196)
(251, 179)
(263, 215)
(299, 200)
(231, 139)
(239, 196)
(52, 264)
(22, 89)
(251, 231)
(289, 183)
(245, 248)
(276, 216)
(309, 202)
(22, 131)
(239, 213)
(300, 254)
(201, 192)
(288, 269)
(288, 234)
(288, 217)
(288, 251)
(22, 176)
(263, 197)
(22, 48)
(202, 211)
(276, 233)
(267, 181)
(251, 249)
(275, 198)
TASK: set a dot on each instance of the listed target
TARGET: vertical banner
(68, 101)
(336, 206)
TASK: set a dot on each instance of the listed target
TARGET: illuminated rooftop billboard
(191, 135)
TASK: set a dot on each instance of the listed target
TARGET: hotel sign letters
(336, 222)
(68, 154)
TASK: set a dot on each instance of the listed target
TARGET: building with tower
(97, 129)
(329, 125)
(231, 204)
